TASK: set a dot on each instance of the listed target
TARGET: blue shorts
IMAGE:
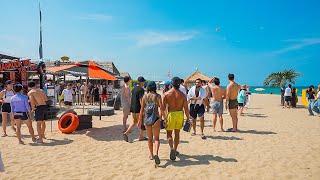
(197, 110)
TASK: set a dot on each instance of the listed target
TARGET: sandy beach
(274, 143)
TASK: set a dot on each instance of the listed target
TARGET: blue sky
(151, 37)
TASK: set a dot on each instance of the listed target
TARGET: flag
(40, 45)
(169, 74)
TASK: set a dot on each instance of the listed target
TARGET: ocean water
(270, 90)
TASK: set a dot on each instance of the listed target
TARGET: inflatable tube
(304, 98)
(68, 123)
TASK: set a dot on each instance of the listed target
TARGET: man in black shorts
(38, 100)
(196, 96)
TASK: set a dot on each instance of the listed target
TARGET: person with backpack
(5, 97)
(151, 113)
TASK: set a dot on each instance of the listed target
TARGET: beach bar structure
(16, 69)
(196, 75)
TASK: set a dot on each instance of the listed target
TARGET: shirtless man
(175, 102)
(38, 100)
(232, 102)
(218, 94)
(206, 101)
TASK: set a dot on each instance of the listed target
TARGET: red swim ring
(68, 123)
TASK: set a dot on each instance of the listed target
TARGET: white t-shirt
(183, 89)
(318, 95)
(67, 94)
(287, 92)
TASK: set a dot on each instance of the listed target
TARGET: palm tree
(280, 79)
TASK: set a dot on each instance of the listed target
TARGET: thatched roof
(196, 75)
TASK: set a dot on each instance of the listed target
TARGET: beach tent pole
(84, 98)
(100, 101)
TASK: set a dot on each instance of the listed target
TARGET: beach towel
(1, 164)
(192, 93)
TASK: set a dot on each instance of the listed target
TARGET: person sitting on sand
(241, 99)
(5, 96)
(137, 94)
(218, 94)
(196, 95)
(21, 111)
(151, 111)
(175, 102)
(38, 103)
(232, 102)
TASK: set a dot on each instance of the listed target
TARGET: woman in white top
(67, 94)
(5, 97)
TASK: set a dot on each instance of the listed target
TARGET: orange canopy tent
(84, 68)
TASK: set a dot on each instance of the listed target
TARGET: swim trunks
(175, 120)
(21, 116)
(6, 107)
(233, 104)
(197, 110)
(217, 107)
(41, 113)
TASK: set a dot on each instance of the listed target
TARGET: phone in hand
(187, 126)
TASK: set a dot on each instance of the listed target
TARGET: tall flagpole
(40, 65)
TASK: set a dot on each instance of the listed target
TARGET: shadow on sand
(225, 138)
(255, 115)
(256, 132)
(186, 160)
(110, 133)
(54, 142)
(162, 141)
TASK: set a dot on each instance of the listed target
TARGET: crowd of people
(152, 112)
(81, 94)
(21, 107)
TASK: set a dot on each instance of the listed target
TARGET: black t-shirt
(104, 91)
(311, 94)
(137, 94)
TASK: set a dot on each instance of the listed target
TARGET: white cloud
(97, 17)
(151, 38)
(298, 44)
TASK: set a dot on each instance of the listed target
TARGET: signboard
(20, 65)
(50, 91)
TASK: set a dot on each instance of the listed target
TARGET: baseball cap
(141, 79)
(8, 82)
(176, 81)
(152, 84)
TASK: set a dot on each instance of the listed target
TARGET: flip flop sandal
(125, 137)
(151, 158)
(156, 159)
(172, 155)
(193, 134)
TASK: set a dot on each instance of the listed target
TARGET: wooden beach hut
(197, 74)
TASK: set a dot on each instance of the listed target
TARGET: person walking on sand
(241, 98)
(196, 96)
(311, 98)
(5, 97)
(206, 100)
(67, 96)
(151, 112)
(232, 102)
(21, 111)
(125, 101)
(316, 104)
(218, 94)
(175, 102)
(135, 107)
(38, 103)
